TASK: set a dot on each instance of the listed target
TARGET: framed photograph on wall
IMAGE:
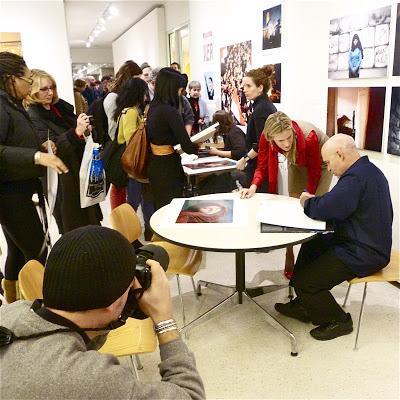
(275, 93)
(396, 59)
(358, 112)
(11, 41)
(394, 123)
(272, 18)
(235, 61)
(209, 79)
(359, 45)
(208, 46)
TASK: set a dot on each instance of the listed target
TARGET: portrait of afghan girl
(356, 55)
(200, 211)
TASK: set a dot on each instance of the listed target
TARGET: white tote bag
(92, 178)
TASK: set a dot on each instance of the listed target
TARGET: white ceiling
(82, 16)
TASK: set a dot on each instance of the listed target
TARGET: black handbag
(111, 156)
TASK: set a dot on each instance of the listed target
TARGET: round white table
(239, 239)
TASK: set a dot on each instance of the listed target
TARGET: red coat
(308, 155)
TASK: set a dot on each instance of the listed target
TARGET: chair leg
(194, 288)
(134, 368)
(347, 296)
(290, 294)
(359, 318)
(138, 362)
(181, 298)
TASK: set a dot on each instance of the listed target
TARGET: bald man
(360, 210)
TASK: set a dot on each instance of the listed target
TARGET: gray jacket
(61, 366)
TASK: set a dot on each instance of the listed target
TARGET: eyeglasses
(25, 79)
(47, 88)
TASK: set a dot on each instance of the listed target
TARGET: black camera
(91, 120)
(143, 275)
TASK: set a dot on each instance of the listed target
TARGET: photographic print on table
(211, 164)
(206, 211)
(396, 59)
(208, 46)
(209, 79)
(359, 45)
(394, 123)
(357, 112)
(275, 92)
(272, 28)
(236, 60)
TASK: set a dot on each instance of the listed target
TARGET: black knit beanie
(88, 268)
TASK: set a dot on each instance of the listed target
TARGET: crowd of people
(39, 130)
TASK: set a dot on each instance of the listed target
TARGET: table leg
(277, 325)
(240, 273)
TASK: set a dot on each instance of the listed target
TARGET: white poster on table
(282, 212)
(221, 211)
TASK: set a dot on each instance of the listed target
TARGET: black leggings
(23, 232)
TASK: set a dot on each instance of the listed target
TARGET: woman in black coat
(21, 164)
(54, 120)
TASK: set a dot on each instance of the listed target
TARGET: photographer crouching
(90, 287)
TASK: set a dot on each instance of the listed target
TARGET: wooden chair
(390, 273)
(183, 261)
(133, 338)
(30, 281)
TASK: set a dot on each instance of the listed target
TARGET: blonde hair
(277, 123)
(37, 76)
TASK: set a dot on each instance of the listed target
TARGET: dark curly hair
(10, 64)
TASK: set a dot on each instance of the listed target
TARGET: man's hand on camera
(156, 300)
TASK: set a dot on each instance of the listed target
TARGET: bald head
(340, 153)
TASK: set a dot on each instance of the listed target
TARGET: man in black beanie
(87, 279)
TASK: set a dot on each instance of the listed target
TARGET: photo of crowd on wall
(359, 45)
(275, 92)
(394, 123)
(357, 112)
(235, 61)
(272, 28)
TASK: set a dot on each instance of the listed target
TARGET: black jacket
(18, 144)
(262, 109)
(70, 148)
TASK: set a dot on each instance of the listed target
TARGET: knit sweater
(61, 366)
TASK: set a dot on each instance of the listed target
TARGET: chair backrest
(125, 220)
(30, 280)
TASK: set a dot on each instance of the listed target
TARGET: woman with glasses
(22, 159)
(57, 125)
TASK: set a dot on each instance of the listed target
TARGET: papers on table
(286, 212)
(201, 136)
(208, 165)
(221, 211)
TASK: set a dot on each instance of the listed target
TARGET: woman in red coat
(300, 142)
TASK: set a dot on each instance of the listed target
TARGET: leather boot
(10, 290)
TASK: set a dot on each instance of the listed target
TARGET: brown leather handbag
(135, 158)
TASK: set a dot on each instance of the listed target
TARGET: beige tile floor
(240, 356)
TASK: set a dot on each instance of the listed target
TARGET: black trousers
(316, 272)
(23, 232)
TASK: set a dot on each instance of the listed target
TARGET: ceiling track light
(109, 12)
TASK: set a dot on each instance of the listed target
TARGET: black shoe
(293, 309)
(148, 233)
(332, 330)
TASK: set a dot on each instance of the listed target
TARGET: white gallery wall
(44, 38)
(144, 41)
(304, 58)
(95, 55)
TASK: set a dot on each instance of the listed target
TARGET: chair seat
(30, 280)
(135, 337)
(388, 274)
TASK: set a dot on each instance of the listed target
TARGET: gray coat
(61, 366)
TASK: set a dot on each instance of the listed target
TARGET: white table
(239, 240)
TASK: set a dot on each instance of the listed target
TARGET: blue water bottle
(96, 175)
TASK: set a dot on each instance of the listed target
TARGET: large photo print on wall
(275, 92)
(359, 45)
(11, 41)
(394, 123)
(272, 27)
(235, 61)
(357, 112)
(396, 60)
